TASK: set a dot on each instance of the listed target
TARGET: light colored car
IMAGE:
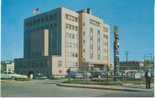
(75, 75)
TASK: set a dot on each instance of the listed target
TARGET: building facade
(7, 67)
(94, 41)
(60, 39)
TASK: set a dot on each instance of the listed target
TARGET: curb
(105, 88)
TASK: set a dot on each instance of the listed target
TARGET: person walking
(148, 79)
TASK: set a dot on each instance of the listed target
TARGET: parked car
(73, 74)
(14, 76)
(41, 76)
(98, 75)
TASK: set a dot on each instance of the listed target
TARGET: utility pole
(126, 54)
(116, 53)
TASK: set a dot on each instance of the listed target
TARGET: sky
(133, 17)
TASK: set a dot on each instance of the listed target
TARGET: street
(48, 88)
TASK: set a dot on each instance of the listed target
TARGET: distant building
(130, 65)
(60, 39)
(7, 67)
(135, 65)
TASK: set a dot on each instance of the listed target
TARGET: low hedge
(97, 82)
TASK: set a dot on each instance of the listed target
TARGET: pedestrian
(148, 79)
(69, 74)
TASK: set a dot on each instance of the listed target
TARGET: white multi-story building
(94, 40)
(60, 39)
(7, 67)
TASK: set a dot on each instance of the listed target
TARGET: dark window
(73, 36)
(76, 28)
(50, 17)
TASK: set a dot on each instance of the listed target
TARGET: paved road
(47, 88)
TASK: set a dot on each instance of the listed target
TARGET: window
(50, 17)
(55, 24)
(76, 19)
(59, 63)
(83, 24)
(72, 54)
(55, 15)
(51, 25)
(99, 56)
(91, 34)
(76, 55)
(66, 26)
(66, 16)
(83, 33)
(91, 46)
(91, 29)
(91, 55)
(42, 20)
(70, 27)
(91, 38)
(98, 39)
(98, 33)
(83, 41)
(76, 28)
(73, 36)
(46, 18)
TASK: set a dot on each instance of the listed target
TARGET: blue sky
(134, 18)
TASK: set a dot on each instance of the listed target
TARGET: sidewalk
(141, 86)
(105, 87)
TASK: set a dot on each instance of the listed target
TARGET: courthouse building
(60, 39)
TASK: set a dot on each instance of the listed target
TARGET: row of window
(71, 27)
(72, 54)
(72, 35)
(91, 48)
(72, 45)
(42, 19)
(37, 65)
(94, 22)
(72, 64)
(52, 26)
(98, 46)
(91, 34)
(91, 53)
(71, 18)
(91, 43)
(98, 57)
